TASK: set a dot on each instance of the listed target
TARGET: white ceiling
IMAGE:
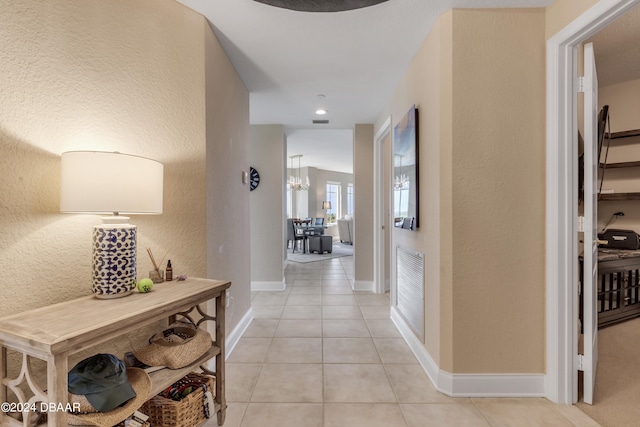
(354, 58)
(330, 149)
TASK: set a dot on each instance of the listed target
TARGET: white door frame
(379, 208)
(561, 381)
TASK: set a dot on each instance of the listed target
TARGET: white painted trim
(234, 336)
(268, 286)
(363, 285)
(561, 198)
(425, 360)
(469, 385)
(492, 385)
(378, 208)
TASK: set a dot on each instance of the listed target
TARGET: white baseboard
(469, 385)
(417, 347)
(233, 337)
(492, 385)
(268, 286)
(363, 285)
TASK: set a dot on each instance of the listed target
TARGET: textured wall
(363, 195)
(498, 190)
(481, 178)
(562, 12)
(114, 76)
(428, 75)
(267, 153)
(227, 198)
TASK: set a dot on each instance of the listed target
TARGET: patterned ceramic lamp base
(114, 260)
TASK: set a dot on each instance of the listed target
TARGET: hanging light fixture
(401, 182)
(295, 182)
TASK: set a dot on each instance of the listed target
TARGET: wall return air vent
(320, 122)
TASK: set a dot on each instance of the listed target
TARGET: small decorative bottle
(168, 276)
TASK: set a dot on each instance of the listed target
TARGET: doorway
(382, 208)
(561, 201)
(321, 161)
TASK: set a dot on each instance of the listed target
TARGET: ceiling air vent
(321, 122)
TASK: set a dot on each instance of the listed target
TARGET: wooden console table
(54, 332)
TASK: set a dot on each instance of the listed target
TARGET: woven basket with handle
(188, 412)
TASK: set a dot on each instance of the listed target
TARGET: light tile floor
(321, 355)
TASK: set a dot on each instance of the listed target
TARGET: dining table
(307, 229)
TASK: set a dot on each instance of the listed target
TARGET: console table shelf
(54, 332)
(161, 379)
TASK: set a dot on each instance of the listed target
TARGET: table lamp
(97, 182)
(325, 207)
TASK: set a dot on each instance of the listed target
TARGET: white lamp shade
(102, 183)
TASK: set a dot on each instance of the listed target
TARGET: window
(350, 201)
(401, 201)
(333, 196)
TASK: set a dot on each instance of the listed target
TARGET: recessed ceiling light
(321, 111)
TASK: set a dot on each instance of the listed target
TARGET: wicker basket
(145, 424)
(188, 412)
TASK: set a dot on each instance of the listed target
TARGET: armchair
(345, 230)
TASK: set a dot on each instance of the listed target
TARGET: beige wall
(440, 287)
(498, 190)
(121, 86)
(624, 110)
(427, 76)
(227, 135)
(115, 76)
(363, 197)
(562, 12)
(321, 178)
(482, 177)
(624, 104)
(267, 154)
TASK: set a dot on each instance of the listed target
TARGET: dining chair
(408, 223)
(293, 236)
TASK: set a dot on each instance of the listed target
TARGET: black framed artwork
(405, 171)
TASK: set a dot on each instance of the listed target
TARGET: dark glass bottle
(168, 274)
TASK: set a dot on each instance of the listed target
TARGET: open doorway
(618, 282)
(320, 193)
(562, 249)
(382, 208)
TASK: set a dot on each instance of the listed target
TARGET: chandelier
(295, 183)
(400, 182)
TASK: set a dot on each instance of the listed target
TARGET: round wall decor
(254, 178)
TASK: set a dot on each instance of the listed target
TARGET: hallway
(320, 355)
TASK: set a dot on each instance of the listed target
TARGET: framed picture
(405, 171)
